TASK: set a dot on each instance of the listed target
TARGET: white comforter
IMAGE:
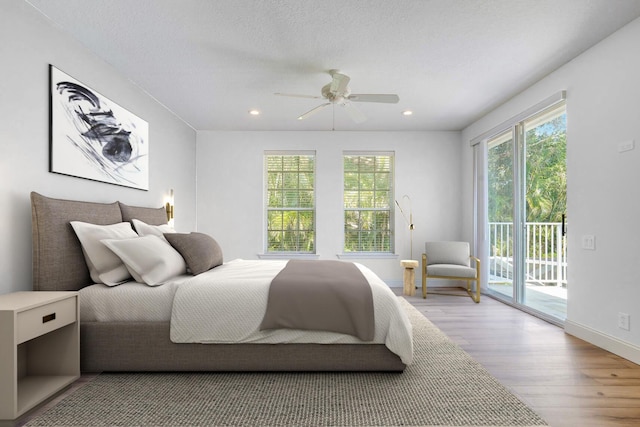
(227, 304)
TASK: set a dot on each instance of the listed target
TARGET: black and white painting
(94, 138)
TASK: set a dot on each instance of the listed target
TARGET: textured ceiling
(450, 61)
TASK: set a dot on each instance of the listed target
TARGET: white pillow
(145, 229)
(150, 259)
(104, 266)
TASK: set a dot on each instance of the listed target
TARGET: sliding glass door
(526, 218)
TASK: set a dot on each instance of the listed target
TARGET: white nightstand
(39, 348)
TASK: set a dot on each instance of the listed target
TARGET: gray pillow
(200, 251)
(152, 216)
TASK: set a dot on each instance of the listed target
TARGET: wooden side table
(39, 348)
(409, 276)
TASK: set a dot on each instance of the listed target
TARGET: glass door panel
(545, 198)
(500, 215)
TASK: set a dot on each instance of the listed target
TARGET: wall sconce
(408, 221)
(169, 207)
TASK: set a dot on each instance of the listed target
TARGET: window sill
(284, 255)
(366, 255)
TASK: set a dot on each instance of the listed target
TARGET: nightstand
(39, 348)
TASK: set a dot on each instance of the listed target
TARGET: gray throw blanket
(321, 295)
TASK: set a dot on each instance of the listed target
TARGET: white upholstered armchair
(451, 260)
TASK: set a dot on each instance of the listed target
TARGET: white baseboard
(614, 345)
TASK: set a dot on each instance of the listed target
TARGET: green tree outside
(545, 181)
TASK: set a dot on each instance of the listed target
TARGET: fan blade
(372, 97)
(355, 114)
(313, 111)
(339, 83)
(297, 96)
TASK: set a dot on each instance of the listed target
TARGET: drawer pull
(48, 318)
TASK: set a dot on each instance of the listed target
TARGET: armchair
(450, 260)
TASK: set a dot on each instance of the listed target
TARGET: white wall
(29, 44)
(230, 188)
(603, 98)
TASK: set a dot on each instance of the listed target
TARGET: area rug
(443, 387)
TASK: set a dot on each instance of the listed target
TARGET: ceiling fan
(338, 92)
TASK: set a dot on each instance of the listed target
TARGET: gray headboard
(58, 261)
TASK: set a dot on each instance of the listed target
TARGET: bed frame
(59, 265)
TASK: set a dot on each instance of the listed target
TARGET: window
(368, 201)
(290, 201)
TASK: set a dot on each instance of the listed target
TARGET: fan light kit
(407, 113)
(254, 112)
(338, 92)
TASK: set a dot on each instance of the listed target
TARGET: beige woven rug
(443, 387)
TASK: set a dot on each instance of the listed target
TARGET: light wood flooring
(567, 381)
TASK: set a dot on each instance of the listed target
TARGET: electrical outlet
(589, 242)
(624, 321)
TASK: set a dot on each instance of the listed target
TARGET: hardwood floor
(567, 381)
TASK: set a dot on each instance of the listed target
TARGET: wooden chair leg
(476, 297)
(424, 276)
(424, 287)
(477, 280)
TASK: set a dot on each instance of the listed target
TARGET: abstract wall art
(94, 138)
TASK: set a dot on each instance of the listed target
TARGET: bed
(139, 344)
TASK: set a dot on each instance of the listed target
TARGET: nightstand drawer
(46, 318)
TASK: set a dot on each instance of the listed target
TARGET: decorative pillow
(145, 229)
(104, 266)
(150, 259)
(200, 251)
(153, 216)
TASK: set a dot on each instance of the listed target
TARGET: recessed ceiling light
(407, 113)
(254, 112)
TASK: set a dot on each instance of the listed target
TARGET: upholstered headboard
(58, 261)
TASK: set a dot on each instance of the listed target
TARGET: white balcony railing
(546, 253)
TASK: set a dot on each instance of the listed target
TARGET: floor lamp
(408, 221)
(409, 278)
